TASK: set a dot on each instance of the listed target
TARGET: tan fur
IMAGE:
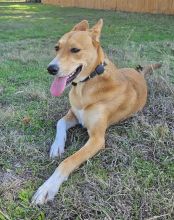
(101, 101)
(105, 99)
(150, 68)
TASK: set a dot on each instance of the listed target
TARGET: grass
(133, 177)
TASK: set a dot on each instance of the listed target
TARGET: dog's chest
(79, 115)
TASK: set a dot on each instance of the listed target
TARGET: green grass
(133, 177)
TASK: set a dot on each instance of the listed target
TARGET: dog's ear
(82, 26)
(96, 30)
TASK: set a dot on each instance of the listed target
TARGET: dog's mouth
(60, 83)
(73, 75)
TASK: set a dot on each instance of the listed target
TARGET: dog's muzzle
(53, 69)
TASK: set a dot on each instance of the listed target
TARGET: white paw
(49, 189)
(58, 146)
(57, 149)
(45, 193)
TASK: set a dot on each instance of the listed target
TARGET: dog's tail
(148, 69)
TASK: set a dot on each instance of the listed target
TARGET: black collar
(98, 71)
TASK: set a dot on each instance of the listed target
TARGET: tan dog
(101, 95)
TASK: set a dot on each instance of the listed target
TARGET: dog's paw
(49, 189)
(57, 149)
(44, 194)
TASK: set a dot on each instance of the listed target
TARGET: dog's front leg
(68, 121)
(50, 188)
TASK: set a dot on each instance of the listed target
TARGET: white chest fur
(80, 115)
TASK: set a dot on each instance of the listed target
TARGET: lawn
(133, 177)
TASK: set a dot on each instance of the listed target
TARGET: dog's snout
(53, 69)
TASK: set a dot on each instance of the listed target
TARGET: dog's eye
(75, 50)
(56, 48)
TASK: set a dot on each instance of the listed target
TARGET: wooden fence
(149, 6)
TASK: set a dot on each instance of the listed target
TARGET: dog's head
(77, 53)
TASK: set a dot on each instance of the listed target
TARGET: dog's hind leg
(95, 143)
(68, 121)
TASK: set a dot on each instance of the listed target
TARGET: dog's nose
(53, 69)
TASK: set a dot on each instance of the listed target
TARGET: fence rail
(149, 6)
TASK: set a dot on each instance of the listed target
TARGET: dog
(101, 95)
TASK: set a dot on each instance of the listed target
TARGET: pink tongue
(58, 86)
